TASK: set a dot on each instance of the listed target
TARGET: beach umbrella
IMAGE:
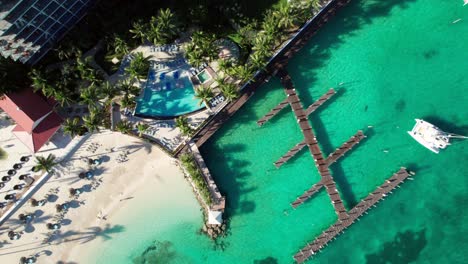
(10, 197)
(53, 226)
(82, 175)
(89, 175)
(17, 166)
(2, 185)
(18, 187)
(30, 260)
(24, 159)
(11, 172)
(13, 235)
(6, 178)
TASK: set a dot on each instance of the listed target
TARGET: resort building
(36, 122)
(30, 28)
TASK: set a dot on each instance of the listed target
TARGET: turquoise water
(396, 61)
(162, 98)
(204, 76)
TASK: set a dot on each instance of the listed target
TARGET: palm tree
(108, 91)
(183, 125)
(204, 94)
(263, 45)
(270, 24)
(120, 47)
(139, 30)
(68, 51)
(141, 127)
(92, 121)
(45, 164)
(242, 72)
(257, 60)
(168, 23)
(85, 71)
(124, 127)
(40, 83)
(284, 16)
(63, 97)
(72, 126)
(139, 66)
(229, 91)
(128, 102)
(90, 96)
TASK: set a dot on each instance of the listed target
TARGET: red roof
(41, 134)
(26, 107)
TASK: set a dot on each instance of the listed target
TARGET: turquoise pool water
(204, 76)
(398, 60)
(167, 97)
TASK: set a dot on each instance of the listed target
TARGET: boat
(431, 136)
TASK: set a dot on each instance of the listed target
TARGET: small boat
(431, 136)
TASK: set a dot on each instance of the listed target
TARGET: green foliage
(139, 66)
(90, 96)
(116, 47)
(124, 127)
(141, 127)
(127, 102)
(72, 127)
(183, 125)
(45, 164)
(161, 29)
(204, 94)
(201, 49)
(93, 121)
(229, 90)
(189, 164)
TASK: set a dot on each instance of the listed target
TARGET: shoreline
(149, 184)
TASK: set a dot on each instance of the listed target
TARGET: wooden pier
(311, 141)
(290, 154)
(347, 146)
(302, 144)
(273, 112)
(301, 199)
(320, 101)
(338, 227)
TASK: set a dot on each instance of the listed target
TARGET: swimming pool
(167, 94)
(204, 76)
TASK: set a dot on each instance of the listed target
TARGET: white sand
(149, 179)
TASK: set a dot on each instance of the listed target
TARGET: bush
(190, 165)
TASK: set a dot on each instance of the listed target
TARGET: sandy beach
(117, 194)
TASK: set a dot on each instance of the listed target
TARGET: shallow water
(390, 61)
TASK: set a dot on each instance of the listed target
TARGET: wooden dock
(320, 101)
(338, 227)
(311, 141)
(290, 154)
(301, 199)
(302, 144)
(273, 112)
(347, 146)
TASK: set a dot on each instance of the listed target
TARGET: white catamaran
(431, 136)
